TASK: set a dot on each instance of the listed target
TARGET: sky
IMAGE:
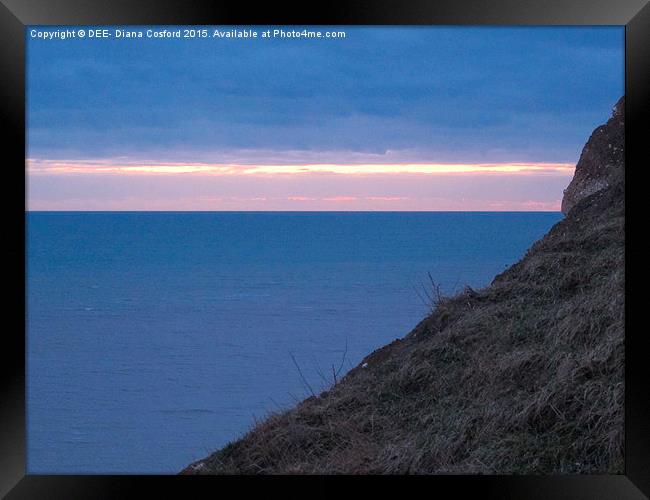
(382, 118)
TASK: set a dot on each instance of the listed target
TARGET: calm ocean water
(155, 338)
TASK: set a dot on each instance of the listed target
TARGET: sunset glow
(67, 167)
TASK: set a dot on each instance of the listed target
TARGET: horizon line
(292, 211)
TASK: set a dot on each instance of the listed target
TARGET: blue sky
(394, 95)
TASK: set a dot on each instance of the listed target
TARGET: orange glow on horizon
(108, 167)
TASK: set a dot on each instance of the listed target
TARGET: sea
(155, 338)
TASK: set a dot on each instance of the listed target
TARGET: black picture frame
(15, 15)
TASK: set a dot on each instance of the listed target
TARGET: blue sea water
(155, 338)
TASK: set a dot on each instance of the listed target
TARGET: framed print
(365, 239)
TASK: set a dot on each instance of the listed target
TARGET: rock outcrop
(602, 160)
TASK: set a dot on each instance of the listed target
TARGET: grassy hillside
(523, 376)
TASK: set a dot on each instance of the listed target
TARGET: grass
(523, 376)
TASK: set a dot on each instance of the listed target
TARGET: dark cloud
(452, 94)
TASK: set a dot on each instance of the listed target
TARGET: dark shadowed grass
(523, 376)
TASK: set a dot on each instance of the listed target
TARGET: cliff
(523, 376)
(601, 162)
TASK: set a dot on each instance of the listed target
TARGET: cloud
(453, 94)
